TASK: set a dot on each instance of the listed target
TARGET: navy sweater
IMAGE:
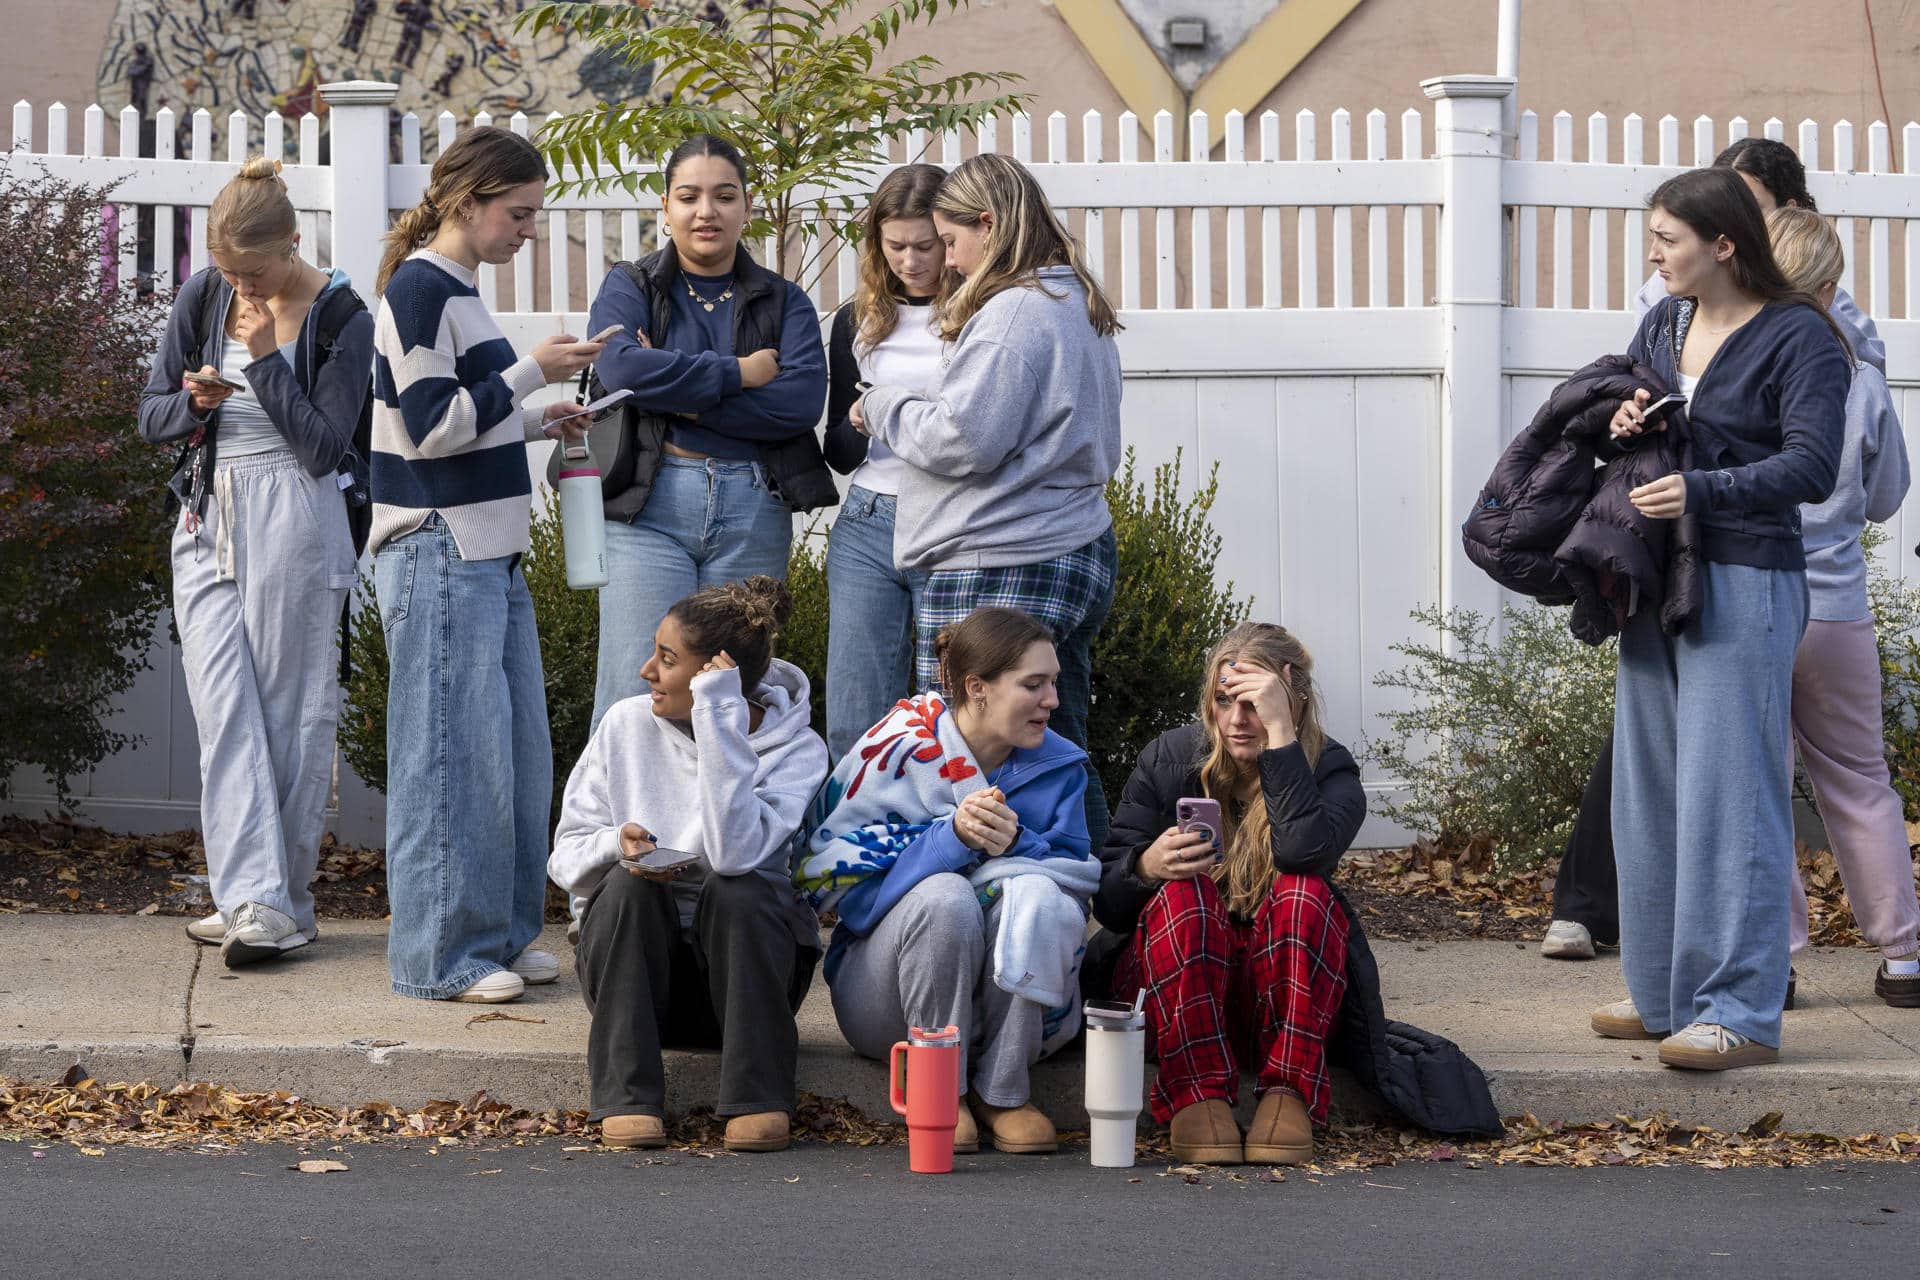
(1768, 419)
(693, 369)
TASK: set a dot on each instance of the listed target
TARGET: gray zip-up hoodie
(1011, 457)
(1870, 485)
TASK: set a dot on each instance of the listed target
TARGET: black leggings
(1587, 889)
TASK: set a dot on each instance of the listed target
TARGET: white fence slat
(523, 301)
(1910, 163)
(1234, 135)
(238, 127)
(950, 148)
(1413, 227)
(129, 215)
(1306, 232)
(410, 138)
(1164, 281)
(1703, 148)
(446, 129)
(273, 136)
(987, 135)
(916, 145)
(1633, 249)
(595, 230)
(1094, 230)
(1376, 215)
(1879, 251)
(1270, 264)
(1563, 216)
(1057, 138)
(1343, 216)
(201, 152)
(1129, 218)
(1736, 129)
(1809, 148)
(1775, 129)
(164, 147)
(22, 126)
(93, 131)
(559, 250)
(1597, 220)
(308, 220)
(1527, 147)
(1023, 137)
(1669, 142)
(1843, 163)
(57, 129)
(1201, 230)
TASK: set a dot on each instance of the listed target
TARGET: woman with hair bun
(715, 763)
(262, 374)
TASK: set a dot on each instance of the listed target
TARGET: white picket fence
(1350, 331)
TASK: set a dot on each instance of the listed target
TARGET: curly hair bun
(763, 603)
(261, 169)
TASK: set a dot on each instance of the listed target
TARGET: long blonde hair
(1245, 875)
(252, 213)
(908, 193)
(483, 162)
(1026, 237)
(1806, 247)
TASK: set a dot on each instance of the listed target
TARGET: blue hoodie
(1767, 420)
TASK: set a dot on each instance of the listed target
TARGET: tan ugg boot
(1020, 1130)
(761, 1131)
(1205, 1132)
(1282, 1131)
(966, 1133)
(633, 1131)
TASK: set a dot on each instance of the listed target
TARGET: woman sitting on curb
(716, 761)
(1241, 946)
(952, 841)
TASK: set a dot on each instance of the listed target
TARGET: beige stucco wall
(1791, 58)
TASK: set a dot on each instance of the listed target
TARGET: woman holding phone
(1003, 501)
(718, 450)
(886, 334)
(674, 836)
(952, 844)
(469, 763)
(263, 372)
(1702, 785)
(1237, 936)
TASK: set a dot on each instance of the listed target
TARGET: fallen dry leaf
(497, 1016)
(321, 1166)
(92, 1151)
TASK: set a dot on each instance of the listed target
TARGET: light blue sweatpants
(1702, 804)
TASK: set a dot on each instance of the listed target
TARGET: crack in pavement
(186, 1030)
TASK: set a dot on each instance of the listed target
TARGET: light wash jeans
(869, 619)
(469, 763)
(1702, 804)
(707, 521)
(257, 590)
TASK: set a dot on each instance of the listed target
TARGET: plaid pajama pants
(1221, 993)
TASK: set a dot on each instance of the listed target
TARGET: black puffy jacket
(1553, 524)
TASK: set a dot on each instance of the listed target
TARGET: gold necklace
(709, 305)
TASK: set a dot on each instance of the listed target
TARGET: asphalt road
(843, 1212)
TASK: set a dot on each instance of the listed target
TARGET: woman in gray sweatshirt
(1003, 502)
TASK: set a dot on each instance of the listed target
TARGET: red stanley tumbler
(924, 1086)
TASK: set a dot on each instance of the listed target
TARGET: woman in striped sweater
(469, 764)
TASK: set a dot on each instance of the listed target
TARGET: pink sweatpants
(1837, 726)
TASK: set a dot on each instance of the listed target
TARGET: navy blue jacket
(1768, 418)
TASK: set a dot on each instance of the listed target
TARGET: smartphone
(662, 864)
(214, 380)
(1655, 407)
(607, 332)
(1197, 813)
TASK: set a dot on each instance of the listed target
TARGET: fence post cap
(359, 93)
(1467, 86)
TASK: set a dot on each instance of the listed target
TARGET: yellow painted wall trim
(1125, 58)
(1278, 44)
(1268, 55)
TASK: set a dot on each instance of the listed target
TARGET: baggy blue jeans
(869, 619)
(469, 763)
(1702, 804)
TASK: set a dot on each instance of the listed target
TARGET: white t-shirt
(908, 357)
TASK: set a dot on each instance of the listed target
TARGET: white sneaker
(497, 987)
(1567, 940)
(258, 932)
(211, 930)
(536, 967)
(1708, 1046)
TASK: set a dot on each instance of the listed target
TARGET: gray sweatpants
(257, 591)
(929, 963)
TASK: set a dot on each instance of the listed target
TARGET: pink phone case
(1197, 813)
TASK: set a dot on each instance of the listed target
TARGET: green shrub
(804, 640)
(1502, 732)
(83, 515)
(1149, 659)
(1896, 615)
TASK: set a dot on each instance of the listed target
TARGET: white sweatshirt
(731, 796)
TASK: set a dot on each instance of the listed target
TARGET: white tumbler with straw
(583, 527)
(1116, 1077)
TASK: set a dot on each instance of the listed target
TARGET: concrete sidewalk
(135, 999)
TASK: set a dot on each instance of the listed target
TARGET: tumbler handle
(897, 1077)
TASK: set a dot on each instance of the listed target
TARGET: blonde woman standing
(1241, 946)
(469, 762)
(1003, 501)
(262, 373)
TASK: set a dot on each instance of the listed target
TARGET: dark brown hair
(1716, 203)
(987, 643)
(907, 192)
(483, 162)
(744, 618)
(1773, 165)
